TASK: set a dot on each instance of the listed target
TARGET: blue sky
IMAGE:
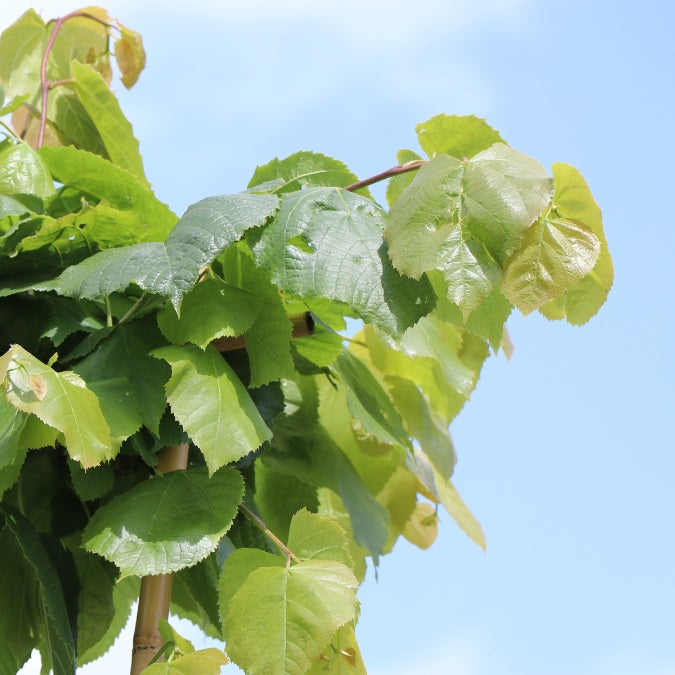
(566, 453)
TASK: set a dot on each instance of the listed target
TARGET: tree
(177, 403)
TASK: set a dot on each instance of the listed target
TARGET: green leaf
(554, 253)
(195, 594)
(96, 607)
(172, 267)
(169, 634)
(114, 128)
(21, 47)
(341, 657)
(93, 483)
(72, 122)
(316, 459)
(280, 496)
(22, 171)
(124, 354)
(282, 617)
(60, 400)
(456, 135)
(125, 592)
(314, 537)
(573, 199)
(369, 403)
(20, 629)
(212, 405)
(12, 105)
(326, 242)
(55, 624)
(303, 169)
(425, 426)
(465, 217)
(231, 312)
(103, 179)
(268, 340)
(166, 523)
(203, 662)
(12, 423)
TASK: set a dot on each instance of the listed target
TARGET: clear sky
(566, 453)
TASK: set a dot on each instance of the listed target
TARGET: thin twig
(45, 84)
(261, 524)
(394, 171)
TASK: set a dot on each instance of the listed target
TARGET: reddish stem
(45, 84)
(394, 171)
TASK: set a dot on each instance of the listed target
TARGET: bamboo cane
(155, 596)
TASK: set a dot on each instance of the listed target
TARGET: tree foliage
(126, 329)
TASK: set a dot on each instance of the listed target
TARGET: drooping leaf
(96, 606)
(124, 593)
(130, 55)
(55, 623)
(231, 312)
(326, 242)
(456, 135)
(369, 403)
(422, 528)
(431, 433)
(166, 523)
(212, 405)
(282, 617)
(313, 456)
(573, 199)
(195, 594)
(60, 400)
(172, 267)
(18, 587)
(553, 254)
(114, 128)
(22, 171)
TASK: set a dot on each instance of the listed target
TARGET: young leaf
(553, 254)
(22, 171)
(67, 405)
(422, 528)
(114, 128)
(56, 626)
(456, 135)
(326, 242)
(212, 405)
(166, 523)
(130, 55)
(281, 618)
(573, 199)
